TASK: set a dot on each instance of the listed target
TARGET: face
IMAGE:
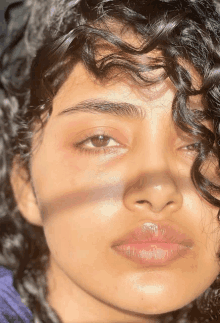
(128, 233)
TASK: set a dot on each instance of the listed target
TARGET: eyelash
(79, 146)
(195, 147)
(95, 151)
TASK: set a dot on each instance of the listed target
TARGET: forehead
(82, 86)
(120, 81)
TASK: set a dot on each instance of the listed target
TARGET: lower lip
(152, 254)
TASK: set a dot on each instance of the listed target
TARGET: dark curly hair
(37, 58)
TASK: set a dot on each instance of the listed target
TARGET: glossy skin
(86, 202)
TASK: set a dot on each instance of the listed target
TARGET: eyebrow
(121, 109)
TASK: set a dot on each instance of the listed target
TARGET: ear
(24, 194)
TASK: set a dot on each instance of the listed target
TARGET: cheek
(80, 242)
(83, 222)
(69, 181)
(71, 240)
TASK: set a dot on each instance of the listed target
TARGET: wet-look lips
(154, 244)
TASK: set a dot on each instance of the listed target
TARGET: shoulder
(12, 310)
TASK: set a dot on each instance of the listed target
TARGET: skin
(85, 202)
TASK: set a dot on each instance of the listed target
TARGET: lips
(154, 244)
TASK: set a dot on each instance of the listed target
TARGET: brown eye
(100, 141)
(98, 144)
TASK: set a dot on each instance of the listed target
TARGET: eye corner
(190, 149)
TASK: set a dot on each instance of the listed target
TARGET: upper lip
(156, 233)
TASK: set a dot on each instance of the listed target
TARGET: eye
(97, 144)
(192, 148)
(99, 141)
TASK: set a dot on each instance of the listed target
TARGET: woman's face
(127, 231)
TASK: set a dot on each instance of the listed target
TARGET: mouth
(154, 244)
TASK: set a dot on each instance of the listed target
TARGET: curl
(40, 56)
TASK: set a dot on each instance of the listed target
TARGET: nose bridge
(153, 183)
(154, 158)
(152, 150)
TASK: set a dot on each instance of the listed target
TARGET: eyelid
(190, 152)
(114, 133)
(102, 150)
(192, 144)
(91, 137)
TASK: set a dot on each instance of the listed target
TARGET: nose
(155, 192)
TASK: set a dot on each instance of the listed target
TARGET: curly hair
(38, 57)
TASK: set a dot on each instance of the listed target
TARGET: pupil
(100, 141)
